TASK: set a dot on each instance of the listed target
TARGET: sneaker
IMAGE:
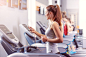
(72, 52)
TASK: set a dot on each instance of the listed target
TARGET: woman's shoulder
(55, 24)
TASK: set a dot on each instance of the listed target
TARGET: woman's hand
(44, 38)
(32, 30)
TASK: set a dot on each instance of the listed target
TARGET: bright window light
(0, 38)
(82, 16)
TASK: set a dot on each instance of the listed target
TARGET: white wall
(72, 4)
(64, 5)
(53, 2)
(12, 17)
(45, 2)
(40, 17)
(82, 16)
(32, 13)
(71, 7)
(58, 2)
(69, 4)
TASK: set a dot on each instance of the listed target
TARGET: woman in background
(69, 25)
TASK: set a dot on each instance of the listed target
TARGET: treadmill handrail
(41, 25)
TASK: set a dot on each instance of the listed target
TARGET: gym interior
(18, 40)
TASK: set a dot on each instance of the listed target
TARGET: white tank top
(51, 47)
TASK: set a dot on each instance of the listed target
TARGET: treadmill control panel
(6, 31)
(26, 26)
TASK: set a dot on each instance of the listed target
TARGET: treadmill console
(26, 26)
(8, 35)
(26, 29)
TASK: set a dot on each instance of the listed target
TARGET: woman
(65, 26)
(53, 34)
(70, 27)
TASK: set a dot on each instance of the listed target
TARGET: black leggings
(65, 54)
(75, 43)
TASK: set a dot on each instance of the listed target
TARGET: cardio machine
(31, 39)
(42, 27)
(13, 47)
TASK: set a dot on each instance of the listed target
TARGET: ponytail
(58, 15)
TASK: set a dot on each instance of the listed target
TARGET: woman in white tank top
(53, 34)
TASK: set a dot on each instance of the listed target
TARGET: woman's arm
(38, 34)
(58, 34)
(61, 27)
(34, 31)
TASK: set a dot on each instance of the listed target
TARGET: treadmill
(28, 36)
(31, 39)
(42, 27)
(13, 47)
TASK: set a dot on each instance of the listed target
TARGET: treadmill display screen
(25, 26)
(7, 32)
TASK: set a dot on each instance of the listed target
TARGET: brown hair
(64, 13)
(56, 11)
(69, 20)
